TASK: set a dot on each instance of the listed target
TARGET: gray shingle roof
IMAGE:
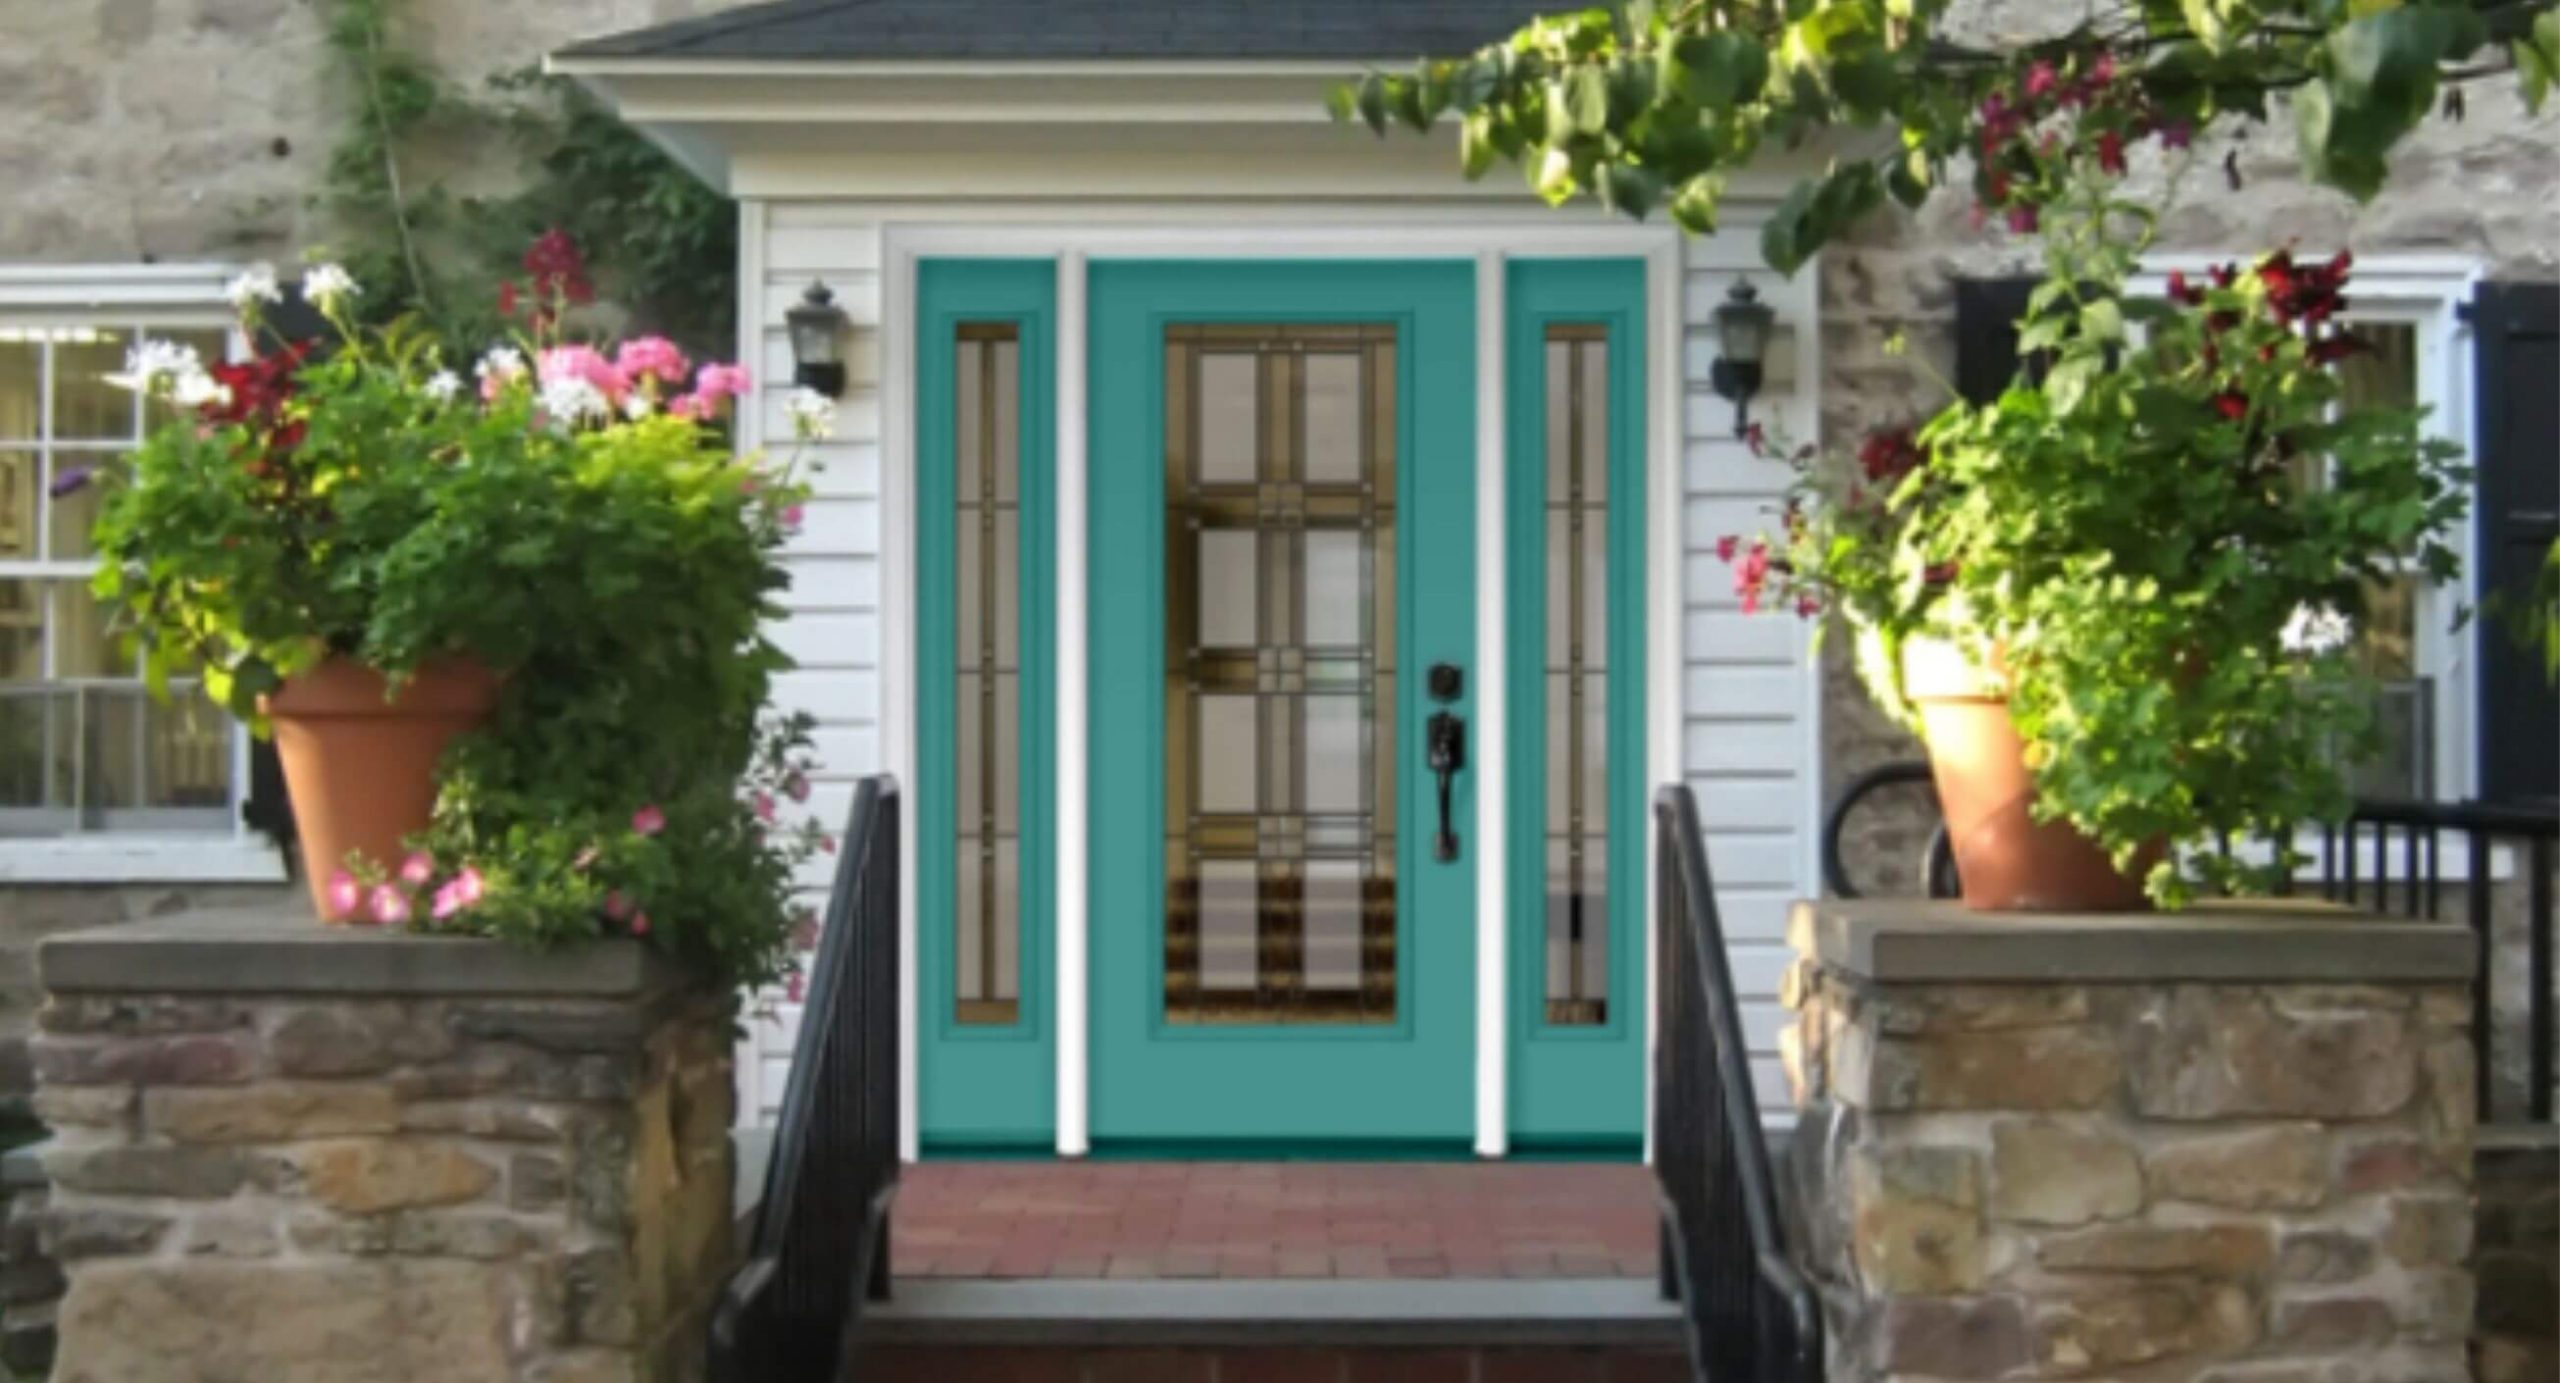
(1079, 29)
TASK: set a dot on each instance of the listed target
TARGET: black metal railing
(1750, 1312)
(2390, 857)
(2533, 835)
(821, 1241)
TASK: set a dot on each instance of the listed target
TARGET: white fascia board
(115, 286)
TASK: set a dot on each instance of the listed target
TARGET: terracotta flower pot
(360, 767)
(2008, 861)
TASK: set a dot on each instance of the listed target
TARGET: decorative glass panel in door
(1282, 502)
(1280, 536)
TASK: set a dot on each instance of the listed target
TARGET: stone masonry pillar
(293, 1154)
(2230, 1146)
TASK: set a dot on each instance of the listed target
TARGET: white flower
(166, 368)
(443, 385)
(636, 405)
(257, 284)
(2316, 631)
(813, 415)
(571, 401)
(328, 284)
(501, 364)
(194, 389)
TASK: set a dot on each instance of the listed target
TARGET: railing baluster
(2539, 1017)
(821, 1242)
(1749, 1311)
(2476, 896)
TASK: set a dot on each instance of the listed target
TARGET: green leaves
(1713, 71)
(1816, 211)
(2537, 60)
(2380, 77)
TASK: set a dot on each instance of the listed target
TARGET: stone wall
(291, 1152)
(200, 129)
(2517, 1256)
(2232, 1147)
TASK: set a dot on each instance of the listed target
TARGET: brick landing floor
(1273, 1220)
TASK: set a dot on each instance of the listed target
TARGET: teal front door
(1282, 492)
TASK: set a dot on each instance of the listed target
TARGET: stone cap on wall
(2260, 940)
(282, 949)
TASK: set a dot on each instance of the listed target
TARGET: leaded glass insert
(1576, 830)
(987, 911)
(1280, 789)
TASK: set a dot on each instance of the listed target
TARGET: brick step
(1571, 1331)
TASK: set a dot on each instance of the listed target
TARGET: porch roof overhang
(1091, 130)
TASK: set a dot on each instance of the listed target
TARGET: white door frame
(1489, 236)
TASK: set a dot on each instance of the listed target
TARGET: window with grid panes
(83, 747)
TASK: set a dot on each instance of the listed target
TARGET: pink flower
(796, 988)
(796, 788)
(1726, 546)
(652, 357)
(764, 806)
(2040, 78)
(345, 895)
(418, 868)
(648, 821)
(639, 924)
(460, 893)
(582, 363)
(2103, 69)
(693, 406)
(716, 382)
(616, 906)
(2022, 219)
(390, 905)
(791, 517)
(827, 843)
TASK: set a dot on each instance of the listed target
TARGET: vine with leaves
(660, 244)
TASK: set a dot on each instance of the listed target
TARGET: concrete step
(1583, 1331)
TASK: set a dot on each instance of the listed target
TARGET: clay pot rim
(341, 686)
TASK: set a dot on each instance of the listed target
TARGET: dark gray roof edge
(1134, 31)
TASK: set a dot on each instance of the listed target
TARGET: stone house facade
(156, 143)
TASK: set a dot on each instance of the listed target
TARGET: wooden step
(1577, 1331)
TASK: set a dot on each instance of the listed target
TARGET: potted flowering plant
(506, 629)
(2114, 600)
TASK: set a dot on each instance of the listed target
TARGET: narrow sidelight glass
(1577, 676)
(988, 900)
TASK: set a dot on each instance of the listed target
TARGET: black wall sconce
(817, 341)
(1743, 325)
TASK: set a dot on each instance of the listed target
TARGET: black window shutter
(1987, 313)
(2517, 330)
(264, 806)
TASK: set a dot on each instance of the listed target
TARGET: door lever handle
(1445, 741)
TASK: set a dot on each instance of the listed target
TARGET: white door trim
(1493, 711)
(1489, 241)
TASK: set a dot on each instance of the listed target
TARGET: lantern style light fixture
(817, 341)
(1743, 325)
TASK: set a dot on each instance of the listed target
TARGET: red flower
(1726, 546)
(2231, 404)
(1889, 454)
(2040, 79)
(2111, 152)
(2182, 291)
(2022, 219)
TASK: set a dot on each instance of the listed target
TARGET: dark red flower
(2337, 346)
(1756, 439)
(2176, 134)
(2022, 219)
(2111, 152)
(2231, 404)
(1726, 546)
(1889, 454)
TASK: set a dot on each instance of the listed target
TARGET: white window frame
(130, 295)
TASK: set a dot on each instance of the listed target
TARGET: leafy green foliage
(2137, 543)
(577, 525)
(1658, 103)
